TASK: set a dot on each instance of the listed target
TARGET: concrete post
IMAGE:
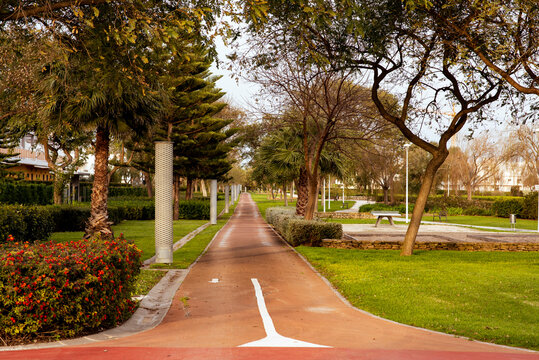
(227, 200)
(324, 195)
(213, 201)
(232, 197)
(163, 202)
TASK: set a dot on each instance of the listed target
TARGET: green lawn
(140, 231)
(488, 221)
(187, 254)
(488, 296)
(146, 280)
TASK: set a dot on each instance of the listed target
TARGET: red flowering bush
(64, 290)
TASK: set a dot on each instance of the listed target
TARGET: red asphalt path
(209, 319)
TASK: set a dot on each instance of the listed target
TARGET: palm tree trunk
(98, 223)
(303, 195)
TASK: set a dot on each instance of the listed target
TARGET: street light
(406, 146)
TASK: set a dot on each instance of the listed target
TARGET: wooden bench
(441, 214)
(385, 214)
(344, 205)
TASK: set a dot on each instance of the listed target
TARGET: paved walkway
(252, 297)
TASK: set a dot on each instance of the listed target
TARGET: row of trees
(441, 54)
(81, 74)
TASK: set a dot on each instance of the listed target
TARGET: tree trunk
(189, 189)
(303, 195)
(392, 190)
(312, 197)
(419, 207)
(58, 188)
(98, 223)
(176, 195)
(284, 193)
(470, 192)
(386, 191)
(149, 186)
(203, 187)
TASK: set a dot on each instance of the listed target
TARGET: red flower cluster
(65, 289)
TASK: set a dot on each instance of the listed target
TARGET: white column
(329, 193)
(324, 194)
(227, 200)
(232, 197)
(343, 192)
(163, 202)
(213, 201)
(407, 146)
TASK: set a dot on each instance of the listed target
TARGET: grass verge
(140, 231)
(146, 280)
(488, 296)
(187, 254)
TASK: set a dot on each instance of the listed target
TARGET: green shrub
(65, 289)
(529, 206)
(311, 232)
(274, 211)
(503, 208)
(25, 193)
(454, 211)
(194, 209)
(377, 207)
(25, 222)
(127, 191)
(474, 211)
(297, 231)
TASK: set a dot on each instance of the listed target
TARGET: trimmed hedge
(297, 231)
(52, 290)
(130, 191)
(503, 208)
(26, 222)
(311, 232)
(26, 193)
(194, 209)
(33, 223)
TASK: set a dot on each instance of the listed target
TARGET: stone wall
(396, 245)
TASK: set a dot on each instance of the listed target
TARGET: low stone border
(397, 245)
(345, 215)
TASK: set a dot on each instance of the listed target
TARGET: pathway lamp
(406, 146)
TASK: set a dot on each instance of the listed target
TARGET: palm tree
(280, 160)
(101, 94)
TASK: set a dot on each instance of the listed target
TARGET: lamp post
(406, 146)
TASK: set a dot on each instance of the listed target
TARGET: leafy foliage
(65, 290)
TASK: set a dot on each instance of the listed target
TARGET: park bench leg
(390, 218)
(378, 221)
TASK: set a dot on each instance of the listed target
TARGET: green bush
(65, 289)
(194, 209)
(377, 207)
(503, 208)
(25, 193)
(474, 211)
(454, 211)
(311, 232)
(25, 222)
(529, 206)
(127, 191)
(297, 231)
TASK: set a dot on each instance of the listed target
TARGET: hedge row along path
(252, 297)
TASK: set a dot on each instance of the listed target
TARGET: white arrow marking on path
(272, 339)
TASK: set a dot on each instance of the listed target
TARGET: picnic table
(385, 214)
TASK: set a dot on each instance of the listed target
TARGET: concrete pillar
(324, 195)
(213, 201)
(163, 202)
(227, 200)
